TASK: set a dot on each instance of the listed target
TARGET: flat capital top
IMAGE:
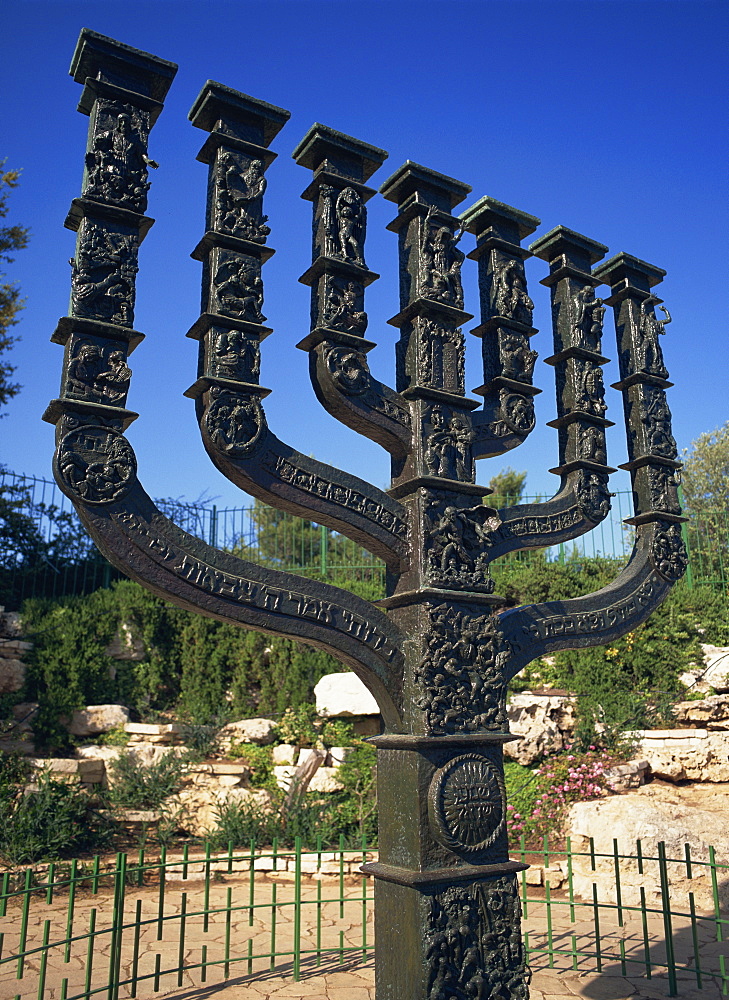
(623, 266)
(323, 143)
(561, 240)
(488, 211)
(100, 57)
(412, 177)
(216, 102)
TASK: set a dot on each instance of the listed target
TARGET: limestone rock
(197, 811)
(338, 755)
(631, 775)
(10, 624)
(98, 719)
(690, 814)
(260, 731)
(711, 712)
(544, 722)
(325, 780)
(12, 675)
(685, 754)
(716, 674)
(284, 753)
(343, 695)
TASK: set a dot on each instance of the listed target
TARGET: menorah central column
(447, 912)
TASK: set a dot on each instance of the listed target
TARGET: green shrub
(260, 761)
(54, 820)
(145, 786)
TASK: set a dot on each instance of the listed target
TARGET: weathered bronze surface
(437, 653)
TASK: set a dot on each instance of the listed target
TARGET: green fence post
(24, 915)
(668, 930)
(181, 946)
(44, 960)
(228, 916)
(297, 909)
(695, 938)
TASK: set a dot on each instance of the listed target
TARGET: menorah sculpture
(436, 653)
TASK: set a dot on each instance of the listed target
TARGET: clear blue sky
(607, 116)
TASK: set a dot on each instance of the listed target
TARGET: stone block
(284, 753)
(153, 729)
(229, 780)
(284, 775)
(98, 719)
(229, 767)
(711, 712)
(544, 723)
(344, 696)
(259, 731)
(325, 780)
(337, 755)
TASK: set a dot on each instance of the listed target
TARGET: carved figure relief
(460, 679)
(474, 949)
(467, 804)
(96, 374)
(235, 356)
(103, 273)
(650, 355)
(457, 541)
(440, 263)
(663, 489)
(239, 188)
(351, 216)
(588, 315)
(510, 297)
(235, 422)
(117, 162)
(656, 418)
(517, 360)
(349, 369)
(343, 306)
(668, 551)
(448, 445)
(517, 412)
(239, 288)
(441, 356)
(96, 464)
(592, 444)
(593, 496)
(589, 388)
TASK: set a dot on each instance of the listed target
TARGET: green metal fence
(134, 925)
(44, 550)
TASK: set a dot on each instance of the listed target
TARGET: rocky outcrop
(656, 813)
(544, 723)
(711, 712)
(685, 754)
(95, 719)
(259, 731)
(344, 696)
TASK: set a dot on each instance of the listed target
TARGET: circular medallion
(518, 413)
(235, 422)
(95, 464)
(466, 803)
(349, 370)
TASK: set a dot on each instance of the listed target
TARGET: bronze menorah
(436, 653)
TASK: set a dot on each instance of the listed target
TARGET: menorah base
(458, 941)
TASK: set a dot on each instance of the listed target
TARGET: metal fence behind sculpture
(137, 925)
(65, 561)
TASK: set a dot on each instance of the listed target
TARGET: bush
(538, 801)
(145, 786)
(54, 820)
(260, 761)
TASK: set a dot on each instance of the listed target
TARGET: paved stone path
(323, 926)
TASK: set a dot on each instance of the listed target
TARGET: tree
(705, 480)
(706, 472)
(11, 238)
(508, 487)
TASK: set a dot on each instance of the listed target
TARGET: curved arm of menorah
(658, 561)
(145, 545)
(581, 503)
(495, 437)
(262, 465)
(346, 389)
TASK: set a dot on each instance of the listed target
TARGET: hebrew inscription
(467, 803)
